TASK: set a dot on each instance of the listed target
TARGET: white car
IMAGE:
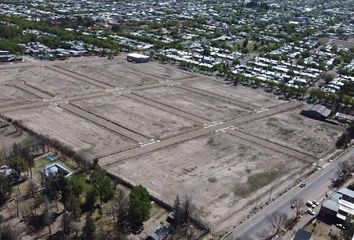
(310, 211)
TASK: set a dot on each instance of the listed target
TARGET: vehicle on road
(310, 204)
(292, 206)
(310, 211)
(302, 185)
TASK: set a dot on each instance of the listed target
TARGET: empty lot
(296, 131)
(46, 80)
(200, 105)
(224, 146)
(138, 117)
(218, 171)
(75, 133)
(247, 96)
(111, 73)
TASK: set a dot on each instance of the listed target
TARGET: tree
(139, 205)
(5, 189)
(328, 76)
(90, 199)
(245, 43)
(67, 222)
(47, 215)
(342, 141)
(277, 221)
(297, 204)
(72, 204)
(103, 185)
(344, 171)
(348, 232)
(120, 205)
(89, 230)
(7, 233)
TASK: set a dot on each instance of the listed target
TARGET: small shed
(316, 111)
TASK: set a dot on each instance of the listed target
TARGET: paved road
(316, 187)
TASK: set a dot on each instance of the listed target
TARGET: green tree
(5, 189)
(103, 185)
(72, 204)
(139, 205)
(89, 230)
(7, 233)
(90, 199)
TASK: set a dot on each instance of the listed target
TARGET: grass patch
(255, 182)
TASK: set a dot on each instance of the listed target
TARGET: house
(317, 111)
(302, 235)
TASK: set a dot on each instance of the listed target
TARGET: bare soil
(138, 117)
(296, 131)
(197, 104)
(74, 132)
(213, 170)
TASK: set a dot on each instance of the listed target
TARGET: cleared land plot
(113, 73)
(47, 81)
(296, 131)
(159, 71)
(220, 173)
(137, 116)
(74, 132)
(197, 104)
(239, 93)
(11, 93)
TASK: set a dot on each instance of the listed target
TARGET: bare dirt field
(247, 96)
(197, 104)
(224, 146)
(46, 80)
(76, 133)
(138, 117)
(110, 72)
(296, 131)
(11, 93)
(219, 172)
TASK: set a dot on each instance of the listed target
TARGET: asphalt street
(316, 188)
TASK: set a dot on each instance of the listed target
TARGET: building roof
(320, 109)
(346, 206)
(346, 192)
(331, 205)
(137, 55)
(302, 235)
(336, 196)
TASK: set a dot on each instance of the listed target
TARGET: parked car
(302, 185)
(310, 211)
(340, 226)
(310, 204)
(315, 203)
